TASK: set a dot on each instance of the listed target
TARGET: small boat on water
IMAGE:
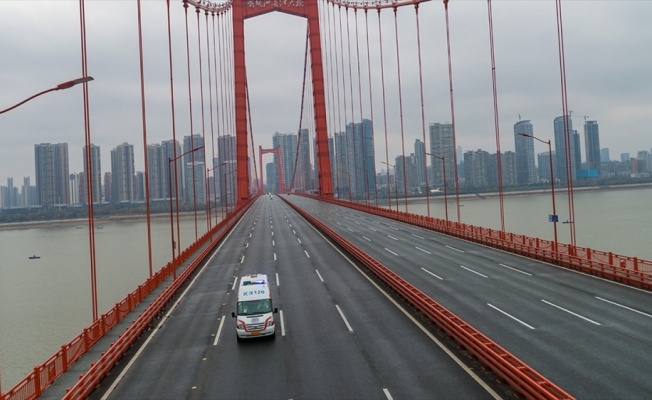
(34, 257)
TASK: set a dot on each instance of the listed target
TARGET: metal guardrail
(515, 372)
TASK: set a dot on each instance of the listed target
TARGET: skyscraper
(52, 173)
(226, 167)
(526, 173)
(288, 144)
(170, 149)
(441, 145)
(564, 149)
(592, 145)
(303, 179)
(157, 168)
(360, 158)
(122, 174)
(194, 155)
(95, 173)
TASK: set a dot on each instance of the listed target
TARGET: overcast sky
(608, 53)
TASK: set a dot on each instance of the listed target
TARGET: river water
(44, 303)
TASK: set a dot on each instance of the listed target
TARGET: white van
(255, 313)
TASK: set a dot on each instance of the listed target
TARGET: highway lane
(584, 333)
(337, 336)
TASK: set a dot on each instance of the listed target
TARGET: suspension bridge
(375, 301)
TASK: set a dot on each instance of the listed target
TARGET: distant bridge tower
(277, 151)
(306, 9)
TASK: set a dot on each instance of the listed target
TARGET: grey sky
(608, 65)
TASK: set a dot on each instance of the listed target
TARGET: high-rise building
(123, 174)
(108, 191)
(171, 150)
(565, 149)
(9, 195)
(544, 166)
(195, 182)
(194, 151)
(29, 193)
(592, 145)
(526, 173)
(508, 168)
(95, 173)
(77, 188)
(226, 167)
(157, 169)
(303, 178)
(272, 177)
(406, 174)
(604, 155)
(441, 145)
(288, 145)
(360, 159)
(476, 168)
(52, 173)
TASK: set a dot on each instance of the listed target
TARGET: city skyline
(354, 176)
(614, 91)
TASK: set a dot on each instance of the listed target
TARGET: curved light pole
(61, 86)
(443, 164)
(389, 195)
(554, 217)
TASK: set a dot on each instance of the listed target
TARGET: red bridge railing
(43, 375)
(515, 372)
(617, 267)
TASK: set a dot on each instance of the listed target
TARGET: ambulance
(254, 311)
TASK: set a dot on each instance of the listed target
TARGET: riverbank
(83, 222)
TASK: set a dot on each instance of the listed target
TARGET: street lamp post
(61, 86)
(443, 164)
(389, 195)
(554, 218)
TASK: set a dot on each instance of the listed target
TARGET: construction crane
(579, 116)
